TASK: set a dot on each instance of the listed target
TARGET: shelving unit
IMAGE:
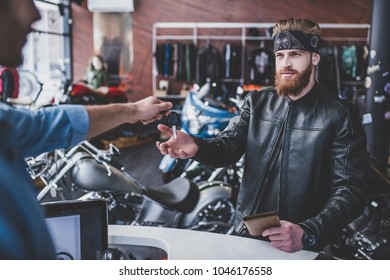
(194, 36)
(205, 31)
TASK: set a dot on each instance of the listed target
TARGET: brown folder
(257, 223)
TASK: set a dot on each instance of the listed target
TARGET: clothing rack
(192, 34)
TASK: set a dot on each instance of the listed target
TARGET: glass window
(47, 52)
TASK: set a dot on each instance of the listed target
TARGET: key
(174, 122)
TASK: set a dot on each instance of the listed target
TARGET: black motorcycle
(86, 172)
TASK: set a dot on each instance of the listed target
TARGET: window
(47, 53)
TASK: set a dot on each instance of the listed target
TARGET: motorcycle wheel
(215, 209)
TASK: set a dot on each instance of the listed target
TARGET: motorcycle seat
(180, 194)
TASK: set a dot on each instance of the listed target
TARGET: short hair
(297, 24)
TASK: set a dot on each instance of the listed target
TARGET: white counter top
(181, 244)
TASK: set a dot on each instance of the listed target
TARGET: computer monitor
(78, 228)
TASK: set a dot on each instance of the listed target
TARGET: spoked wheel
(217, 217)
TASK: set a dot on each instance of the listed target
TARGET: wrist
(309, 240)
(132, 112)
(197, 144)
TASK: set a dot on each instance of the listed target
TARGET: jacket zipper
(280, 190)
(260, 193)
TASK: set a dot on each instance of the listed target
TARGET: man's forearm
(105, 117)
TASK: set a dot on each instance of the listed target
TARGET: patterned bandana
(296, 40)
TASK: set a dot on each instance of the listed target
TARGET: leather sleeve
(230, 144)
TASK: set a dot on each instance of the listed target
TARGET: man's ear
(316, 59)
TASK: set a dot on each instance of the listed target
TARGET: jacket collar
(307, 96)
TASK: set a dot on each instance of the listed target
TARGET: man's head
(296, 48)
(97, 62)
(16, 17)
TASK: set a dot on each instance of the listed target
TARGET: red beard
(294, 86)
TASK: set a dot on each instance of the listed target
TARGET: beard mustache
(294, 86)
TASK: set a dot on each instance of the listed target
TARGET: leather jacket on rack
(261, 66)
(208, 65)
(323, 159)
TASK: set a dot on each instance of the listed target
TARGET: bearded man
(24, 133)
(305, 149)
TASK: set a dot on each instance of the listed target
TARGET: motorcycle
(368, 236)
(80, 93)
(205, 113)
(86, 172)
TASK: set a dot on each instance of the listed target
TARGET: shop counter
(142, 242)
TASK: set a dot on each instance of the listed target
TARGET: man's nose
(286, 62)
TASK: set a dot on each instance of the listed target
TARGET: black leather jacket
(324, 160)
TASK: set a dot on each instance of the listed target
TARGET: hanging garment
(261, 66)
(232, 67)
(327, 73)
(181, 63)
(111, 52)
(208, 65)
(190, 62)
(168, 60)
(164, 59)
(159, 58)
(175, 59)
(362, 60)
(349, 62)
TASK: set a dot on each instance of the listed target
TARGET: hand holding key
(174, 121)
(180, 145)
